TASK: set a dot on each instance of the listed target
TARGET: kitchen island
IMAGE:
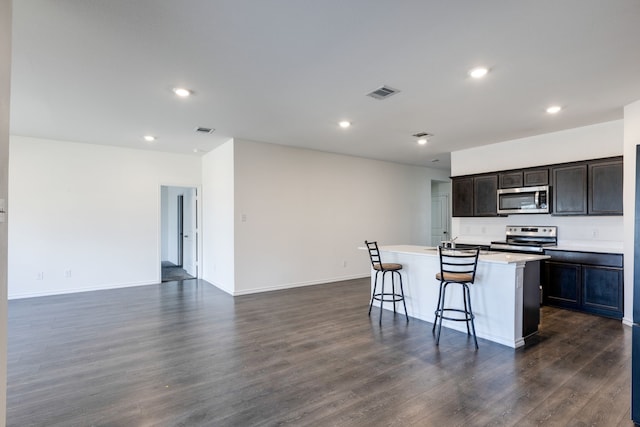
(505, 296)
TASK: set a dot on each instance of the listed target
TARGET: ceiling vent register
(383, 92)
(204, 130)
(422, 135)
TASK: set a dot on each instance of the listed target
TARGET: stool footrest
(383, 297)
(468, 316)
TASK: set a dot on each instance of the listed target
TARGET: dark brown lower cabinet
(587, 282)
(562, 285)
(602, 290)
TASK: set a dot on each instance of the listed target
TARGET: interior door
(190, 232)
(439, 219)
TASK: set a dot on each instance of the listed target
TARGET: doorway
(440, 212)
(179, 233)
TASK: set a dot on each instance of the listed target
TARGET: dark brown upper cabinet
(536, 177)
(523, 178)
(485, 195)
(591, 187)
(462, 196)
(605, 188)
(569, 189)
(512, 179)
(475, 195)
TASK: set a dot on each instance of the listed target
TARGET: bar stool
(379, 266)
(456, 267)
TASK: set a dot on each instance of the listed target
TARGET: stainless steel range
(530, 239)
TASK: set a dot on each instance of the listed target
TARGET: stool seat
(384, 268)
(455, 277)
(457, 267)
(387, 266)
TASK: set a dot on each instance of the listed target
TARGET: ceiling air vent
(422, 135)
(204, 130)
(383, 92)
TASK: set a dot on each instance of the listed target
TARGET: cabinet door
(602, 291)
(570, 190)
(562, 284)
(485, 195)
(510, 179)
(605, 188)
(535, 177)
(462, 196)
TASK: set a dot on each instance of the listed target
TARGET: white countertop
(602, 246)
(608, 247)
(485, 256)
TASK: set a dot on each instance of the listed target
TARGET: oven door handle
(536, 199)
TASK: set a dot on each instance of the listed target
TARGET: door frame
(180, 229)
(197, 220)
(449, 207)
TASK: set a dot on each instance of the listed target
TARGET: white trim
(198, 189)
(76, 290)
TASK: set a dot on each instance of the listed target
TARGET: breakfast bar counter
(505, 296)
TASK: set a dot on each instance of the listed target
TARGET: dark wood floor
(186, 354)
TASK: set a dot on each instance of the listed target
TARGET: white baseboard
(218, 285)
(76, 290)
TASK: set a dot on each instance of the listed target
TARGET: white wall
(5, 80)
(218, 261)
(583, 143)
(306, 212)
(631, 140)
(588, 142)
(90, 209)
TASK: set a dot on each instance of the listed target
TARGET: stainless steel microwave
(523, 200)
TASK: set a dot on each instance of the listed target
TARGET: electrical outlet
(344, 264)
(40, 275)
(67, 273)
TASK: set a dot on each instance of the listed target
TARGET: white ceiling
(286, 71)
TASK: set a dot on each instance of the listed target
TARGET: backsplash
(571, 229)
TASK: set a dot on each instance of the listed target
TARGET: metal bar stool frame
(384, 268)
(458, 267)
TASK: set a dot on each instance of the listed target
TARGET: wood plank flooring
(186, 354)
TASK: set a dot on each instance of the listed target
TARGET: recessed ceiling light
(182, 92)
(478, 72)
(423, 137)
(554, 109)
(149, 138)
(344, 124)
